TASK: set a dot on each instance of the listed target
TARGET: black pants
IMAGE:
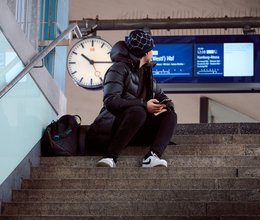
(136, 126)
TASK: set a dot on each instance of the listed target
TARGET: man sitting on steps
(136, 110)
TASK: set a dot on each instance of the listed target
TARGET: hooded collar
(120, 53)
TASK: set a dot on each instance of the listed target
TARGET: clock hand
(92, 61)
(97, 73)
(89, 60)
(102, 61)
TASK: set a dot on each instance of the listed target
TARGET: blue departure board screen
(173, 60)
(207, 63)
(219, 59)
(208, 60)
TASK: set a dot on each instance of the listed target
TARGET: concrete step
(173, 161)
(136, 172)
(98, 217)
(144, 183)
(140, 208)
(218, 128)
(131, 195)
(213, 174)
(249, 172)
(214, 128)
(147, 217)
(106, 208)
(217, 139)
(200, 149)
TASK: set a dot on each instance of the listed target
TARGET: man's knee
(169, 119)
(137, 112)
(135, 115)
(170, 115)
(174, 116)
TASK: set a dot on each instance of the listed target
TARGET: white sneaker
(154, 161)
(106, 162)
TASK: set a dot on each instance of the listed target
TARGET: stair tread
(173, 160)
(209, 175)
(145, 183)
(201, 149)
(137, 172)
(135, 207)
(131, 217)
(127, 195)
(217, 139)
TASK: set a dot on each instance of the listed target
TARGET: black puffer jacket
(122, 82)
(122, 89)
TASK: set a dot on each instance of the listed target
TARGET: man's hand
(153, 106)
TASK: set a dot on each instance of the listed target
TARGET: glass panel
(24, 114)
(219, 113)
(10, 64)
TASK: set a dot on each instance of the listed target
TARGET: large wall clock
(88, 61)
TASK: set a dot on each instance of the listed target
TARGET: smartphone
(164, 101)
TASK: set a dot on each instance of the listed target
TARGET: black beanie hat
(139, 42)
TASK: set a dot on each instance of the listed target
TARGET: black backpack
(64, 137)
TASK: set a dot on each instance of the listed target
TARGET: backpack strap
(82, 139)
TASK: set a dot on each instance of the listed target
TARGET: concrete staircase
(213, 174)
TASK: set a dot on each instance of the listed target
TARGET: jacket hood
(120, 53)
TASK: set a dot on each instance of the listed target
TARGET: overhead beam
(90, 25)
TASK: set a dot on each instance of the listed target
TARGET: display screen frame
(181, 53)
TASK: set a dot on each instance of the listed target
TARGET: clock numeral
(92, 43)
(101, 80)
(82, 45)
(72, 62)
(102, 45)
(81, 79)
(75, 53)
(74, 72)
(91, 81)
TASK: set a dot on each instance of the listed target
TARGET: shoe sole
(101, 164)
(160, 165)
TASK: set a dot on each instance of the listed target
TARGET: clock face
(88, 61)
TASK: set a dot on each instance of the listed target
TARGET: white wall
(88, 103)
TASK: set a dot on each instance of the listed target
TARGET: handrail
(35, 60)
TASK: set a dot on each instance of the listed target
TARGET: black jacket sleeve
(160, 96)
